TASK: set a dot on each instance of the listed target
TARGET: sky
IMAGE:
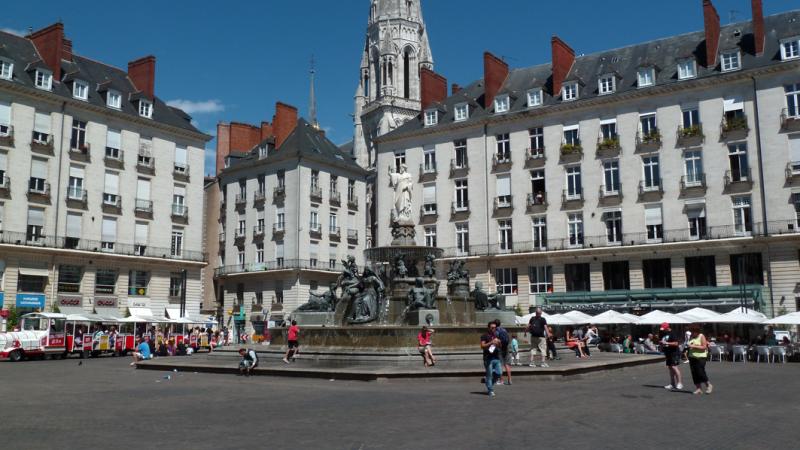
(231, 61)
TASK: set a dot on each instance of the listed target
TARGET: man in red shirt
(294, 346)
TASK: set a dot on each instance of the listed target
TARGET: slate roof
(99, 76)
(663, 54)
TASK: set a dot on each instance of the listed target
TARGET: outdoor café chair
(740, 351)
(779, 352)
(762, 350)
(617, 348)
(717, 352)
(639, 348)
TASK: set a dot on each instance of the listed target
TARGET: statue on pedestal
(403, 185)
(420, 297)
(429, 269)
(484, 301)
(400, 270)
(362, 294)
(325, 302)
(457, 273)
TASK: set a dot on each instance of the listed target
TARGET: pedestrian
(294, 346)
(490, 344)
(249, 361)
(552, 354)
(583, 336)
(424, 340)
(670, 345)
(698, 354)
(685, 347)
(515, 351)
(142, 352)
(537, 327)
(505, 356)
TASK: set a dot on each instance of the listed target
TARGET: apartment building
(100, 185)
(664, 173)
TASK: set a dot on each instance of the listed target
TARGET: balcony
(738, 181)
(222, 238)
(608, 147)
(685, 297)
(503, 205)
(335, 198)
(6, 136)
(536, 203)
(76, 197)
(240, 201)
(573, 200)
(793, 172)
(571, 152)
(42, 143)
(352, 236)
(5, 186)
(38, 190)
(81, 152)
(335, 233)
(790, 120)
(690, 136)
(143, 208)
(258, 232)
(428, 212)
(180, 172)
(114, 158)
(610, 194)
(352, 202)
(459, 167)
(648, 142)
(535, 158)
(179, 212)
(279, 194)
(112, 203)
(277, 265)
(651, 191)
(278, 229)
(259, 197)
(459, 209)
(427, 171)
(239, 235)
(315, 193)
(696, 185)
(734, 128)
(315, 229)
(501, 163)
(145, 164)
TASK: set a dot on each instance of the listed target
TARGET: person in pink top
(424, 340)
(294, 345)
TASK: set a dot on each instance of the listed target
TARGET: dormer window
(6, 69)
(646, 76)
(461, 112)
(502, 103)
(431, 117)
(80, 90)
(730, 61)
(146, 108)
(569, 92)
(534, 98)
(687, 68)
(607, 84)
(790, 48)
(44, 79)
(262, 152)
(114, 99)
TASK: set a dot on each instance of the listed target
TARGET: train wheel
(84, 354)
(15, 356)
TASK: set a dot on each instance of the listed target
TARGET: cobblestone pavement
(104, 403)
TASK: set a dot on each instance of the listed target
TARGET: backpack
(503, 335)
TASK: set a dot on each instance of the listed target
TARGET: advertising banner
(203, 340)
(105, 302)
(56, 340)
(104, 343)
(30, 301)
(70, 301)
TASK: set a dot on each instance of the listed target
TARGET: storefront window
(69, 278)
(137, 282)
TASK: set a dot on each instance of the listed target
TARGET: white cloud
(14, 31)
(200, 107)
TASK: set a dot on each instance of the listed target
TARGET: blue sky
(232, 61)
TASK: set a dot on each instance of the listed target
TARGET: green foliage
(609, 144)
(735, 123)
(13, 318)
(691, 131)
(568, 149)
(653, 137)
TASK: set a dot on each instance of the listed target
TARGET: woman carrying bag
(698, 355)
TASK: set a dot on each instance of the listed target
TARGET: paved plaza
(104, 403)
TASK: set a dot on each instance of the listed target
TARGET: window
(539, 228)
(38, 180)
(569, 92)
(69, 278)
(80, 90)
(742, 219)
(613, 222)
(114, 144)
(6, 69)
(503, 188)
(730, 61)
(572, 135)
(429, 199)
(701, 271)
(616, 276)
(261, 222)
(111, 189)
(333, 223)
(315, 181)
(399, 160)
(114, 99)
(747, 269)
(574, 187)
(313, 253)
(145, 109)
(260, 253)
(262, 185)
(687, 68)
(646, 76)
(351, 190)
(540, 279)
(281, 179)
(647, 123)
(31, 283)
(790, 48)
(462, 238)
(109, 234)
(462, 195)
(503, 148)
(577, 277)
(506, 281)
(176, 244)
(73, 234)
(652, 173)
(538, 187)
(506, 238)
(461, 112)
(654, 223)
(606, 84)
(137, 282)
(575, 229)
(430, 236)
(140, 238)
(693, 165)
(105, 281)
(696, 215)
(240, 259)
(431, 117)
(280, 219)
(175, 284)
(534, 97)
(315, 223)
(611, 183)
(792, 99)
(180, 167)
(502, 103)
(657, 273)
(795, 202)
(44, 79)
(608, 130)
(145, 156)
(75, 187)
(78, 138)
(537, 142)
(429, 160)
(279, 254)
(737, 155)
(5, 119)
(460, 153)
(41, 128)
(691, 117)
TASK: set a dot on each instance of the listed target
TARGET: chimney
(284, 122)
(758, 27)
(563, 59)
(456, 89)
(433, 87)
(223, 144)
(142, 74)
(495, 72)
(266, 130)
(711, 21)
(49, 42)
(66, 49)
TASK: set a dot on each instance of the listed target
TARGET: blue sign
(2, 299)
(30, 301)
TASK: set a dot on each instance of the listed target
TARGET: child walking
(515, 351)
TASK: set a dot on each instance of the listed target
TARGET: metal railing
(180, 170)
(180, 210)
(692, 184)
(259, 197)
(5, 182)
(655, 186)
(738, 176)
(537, 199)
(459, 207)
(734, 127)
(352, 235)
(428, 168)
(455, 166)
(279, 191)
(7, 135)
(76, 194)
(42, 189)
(503, 202)
(240, 200)
(287, 264)
(614, 192)
(648, 141)
(576, 196)
(279, 227)
(316, 192)
(112, 200)
(691, 135)
(259, 230)
(352, 202)
(142, 205)
(790, 122)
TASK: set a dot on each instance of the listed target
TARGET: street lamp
(183, 292)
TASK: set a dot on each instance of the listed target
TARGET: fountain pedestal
(458, 289)
(507, 318)
(428, 317)
(314, 319)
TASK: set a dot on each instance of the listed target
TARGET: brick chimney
(758, 27)
(238, 137)
(455, 89)
(563, 59)
(495, 72)
(284, 122)
(711, 21)
(49, 42)
(142, 74)
(433, 87)
(66, 49)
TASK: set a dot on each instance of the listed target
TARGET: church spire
(312, 98)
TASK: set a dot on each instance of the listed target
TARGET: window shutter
(429, 194)
(3, 161)
(143, 189)
(109, 231)
(114, 139)
(503, 185)
(794, 149)
(112, 184)
(36, 217)
(313, 250)
(279, 251)
(695, 211)
(180, 191)
(38, 169)
(42, 123)
(76, 172)
(74, 225)
(5, 114)
(180, 155)
(733, 104)
(141, 233)
(652, 215)
(261, 214)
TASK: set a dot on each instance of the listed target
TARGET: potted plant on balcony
(611, 143)
(653, 137)
(734, 124)
(570, 149)
(691, 131)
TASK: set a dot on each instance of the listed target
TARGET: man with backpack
(537, 327)
(505, 355)
(249, 361)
